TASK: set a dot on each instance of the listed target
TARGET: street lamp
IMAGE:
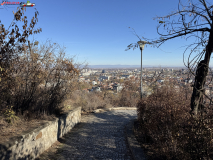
(141, 44)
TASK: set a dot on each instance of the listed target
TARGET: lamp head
(141, 44)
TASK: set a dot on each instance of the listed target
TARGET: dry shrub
(41, 81)
(12, 45)
(166, 124)
(34, 80)
(89, 101)
(129, 95)
(128, 99)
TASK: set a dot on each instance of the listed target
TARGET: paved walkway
(98, 136)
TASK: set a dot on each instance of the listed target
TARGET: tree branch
(181, 34)
(207, 10)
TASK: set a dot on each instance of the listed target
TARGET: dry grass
(88, 101)
(11, 130)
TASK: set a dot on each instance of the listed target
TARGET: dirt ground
(8, 131)
(21, 126)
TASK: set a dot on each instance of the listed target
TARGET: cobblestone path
(98, 136)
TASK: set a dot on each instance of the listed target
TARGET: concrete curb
(122, 108)
(134, 146)
(111, 109)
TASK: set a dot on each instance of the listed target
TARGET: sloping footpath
(103, 134)
(135, 148)
(100, 135)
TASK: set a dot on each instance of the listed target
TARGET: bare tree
(193, 20)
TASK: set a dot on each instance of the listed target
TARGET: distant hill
(131, 66)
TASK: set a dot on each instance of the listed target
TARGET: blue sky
(97, 31)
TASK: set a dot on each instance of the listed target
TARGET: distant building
(98, 89)
(81, 79)
(94, 83)
(84, 70)
(126, 76)
(117, 87)
(183, 70)
(101, 78)
(87, 80)
(188, 80)
(160, 81)
(86, 74)
(103, 71)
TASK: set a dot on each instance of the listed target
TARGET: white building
(84, 70)
(117, 87)
(101, 78)
(160, 80)
(81, 79)
(94, 83)
(85, 74)
(126, 76)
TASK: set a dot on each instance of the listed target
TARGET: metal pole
(141, 74)
(141, 44)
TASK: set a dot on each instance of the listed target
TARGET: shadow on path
(98, 136)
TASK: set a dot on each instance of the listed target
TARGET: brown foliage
(34, 80)
(90, 101)
(166, 124)
(129, 95)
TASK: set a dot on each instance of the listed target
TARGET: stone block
(35, 142)
(39, 135)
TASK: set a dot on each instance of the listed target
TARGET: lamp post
(141, 44)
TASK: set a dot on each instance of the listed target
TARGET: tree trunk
(200, 78)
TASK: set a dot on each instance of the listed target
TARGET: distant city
(113, 77)
(132, 66)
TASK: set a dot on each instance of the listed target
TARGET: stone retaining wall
(32, 144)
